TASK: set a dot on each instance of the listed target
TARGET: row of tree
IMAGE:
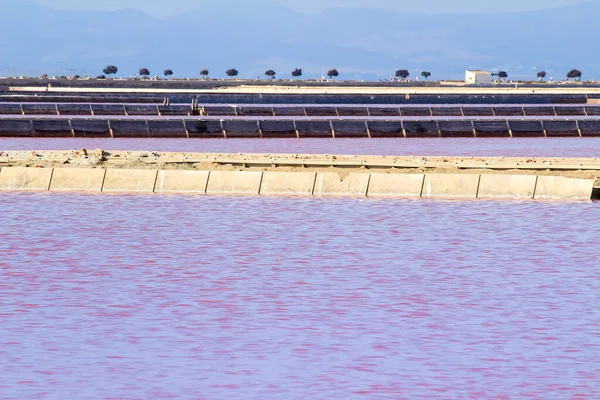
(332, 73)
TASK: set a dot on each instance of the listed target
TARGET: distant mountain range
(256, 35)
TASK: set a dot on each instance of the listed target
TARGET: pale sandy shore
(585, 168)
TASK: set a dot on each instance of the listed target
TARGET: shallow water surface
(479, 147)
(122, 296)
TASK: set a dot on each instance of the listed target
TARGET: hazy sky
(162, 8)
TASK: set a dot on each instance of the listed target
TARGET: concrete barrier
(478, 111)
(456, 128)
(278, 129)
(506, 186)
(220, 110)
(592, 110)
(446, 111)
(295, 111)
(331, 184)
(508, 111)
(141, 109)
(23, 178)
(379, 129)
(234, 182)
(256, 111)
(166, 128)
(180, 181)
(10, 109)
(314, 129)
(122, 128)
(52, 128)
(395, 185)
(541, 111)
(175, 109)
(39, 109)
(491, 128)
(108, 109)
(561, 128)
(588, 128)
(557, 187)
(451, 185)
(321, 111)
(241, 128)
(204, 129)
(570, 111)
(349, 129)
(130, 180)
(353, 111)
(288, 183)
(526, 128)
(16, 128)
(77, 179)
(415, 111)
(420, 129)
(74, 109)
(90, 128)
(384, 111)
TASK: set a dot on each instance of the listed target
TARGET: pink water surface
(515, 147)
(140, 297)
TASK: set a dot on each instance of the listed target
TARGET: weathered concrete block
(161, 128)
(330, 184)
(234, 182)
(129, 128)
(349, 128)
(507, 186)
(278, 129)
(451, 185)
(84, 179)
(90, 127)
(288, 183)
(130, 180)
(395, 185)
(22, 178)
(557, 187)
(178, 181)
(16, 128)
(52, 128)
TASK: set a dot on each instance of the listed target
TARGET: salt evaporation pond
(193, 297)
(508, 147)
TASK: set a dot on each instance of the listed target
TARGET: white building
(477, 77)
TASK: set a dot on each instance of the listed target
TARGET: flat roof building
(477, 77)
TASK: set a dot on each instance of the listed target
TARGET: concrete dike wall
(310, 110)
(307, 184)
(301, 127)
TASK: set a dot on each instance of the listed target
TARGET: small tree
(270, 73)
(168, 72)
(332, 73)
(574, 74)
(541, 75)
(296, 73)
(402, 73)
(101, 77)
(232, 72)
(204, 73)
(502, 75)
(144, 72)
(425, 74)
(110, 70)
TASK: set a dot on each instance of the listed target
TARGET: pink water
(140, 297)
(513, 147)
